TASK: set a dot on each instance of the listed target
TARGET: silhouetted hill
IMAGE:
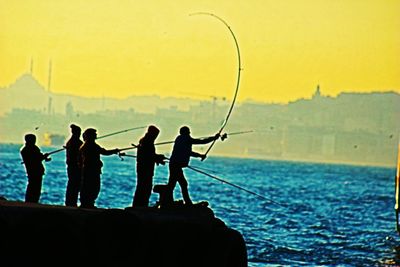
(25, 92)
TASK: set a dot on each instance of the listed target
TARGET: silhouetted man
(89, 160)
(73, 169)
(32, 158)
(180, 157)
(145, 162)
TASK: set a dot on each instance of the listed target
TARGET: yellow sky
(126, 47)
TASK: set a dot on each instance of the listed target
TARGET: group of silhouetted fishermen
(84, 166)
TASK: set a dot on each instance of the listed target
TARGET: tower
(49, 103)
(317, 92)
(31, 70)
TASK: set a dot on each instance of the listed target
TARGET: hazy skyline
(359, 128)
(124, 48)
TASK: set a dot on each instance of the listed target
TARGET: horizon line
(199, 98)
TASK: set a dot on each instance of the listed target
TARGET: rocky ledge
(38, 235)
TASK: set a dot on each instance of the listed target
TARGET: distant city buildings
(350, 128)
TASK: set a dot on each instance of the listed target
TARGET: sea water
(315, 215)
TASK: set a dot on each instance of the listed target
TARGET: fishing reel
(121, 155)
(224, 136)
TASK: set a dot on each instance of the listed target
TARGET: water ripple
(328, 215)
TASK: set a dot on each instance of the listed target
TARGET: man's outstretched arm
(203, 141)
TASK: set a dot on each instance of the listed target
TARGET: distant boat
(53, 139)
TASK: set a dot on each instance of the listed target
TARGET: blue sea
(315, 215)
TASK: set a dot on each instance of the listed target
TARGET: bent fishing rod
(239, 68)
(100, 137)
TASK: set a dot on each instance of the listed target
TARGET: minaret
(31, 67)
(317, 92)
(49, 77)
(103, 102)
(49, 104)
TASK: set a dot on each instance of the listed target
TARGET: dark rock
(44, 235)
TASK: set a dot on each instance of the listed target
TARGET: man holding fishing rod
(145, 163)
(32, 157)
(180, 158)
(89, 160)
(73, 169)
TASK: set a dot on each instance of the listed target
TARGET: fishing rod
(238, 75)
(204, 169)
(197, 169)
(232, 184)
(123, 131)
(223, 137)
(241, 132)
(121, 155)
(236, 186)
(55, 151)
(127, 155)
(100, 137)
(133, 146)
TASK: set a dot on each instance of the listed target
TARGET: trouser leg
(143, 191)
(33, 189)
(147, 192)
(90, 190)
(185, 191)
(173, 178)
(176, 175)
(73, 187)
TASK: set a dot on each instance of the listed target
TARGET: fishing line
(196, 169)
(204, 169)
(225, 182)
(236, 186)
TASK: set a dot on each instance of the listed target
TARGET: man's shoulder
(30, 150)
(89, 146)
(77, 142)
(184, 138)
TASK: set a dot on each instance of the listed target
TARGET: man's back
(90, 156)
(182, 150)
(72, 148)
(32, 158)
